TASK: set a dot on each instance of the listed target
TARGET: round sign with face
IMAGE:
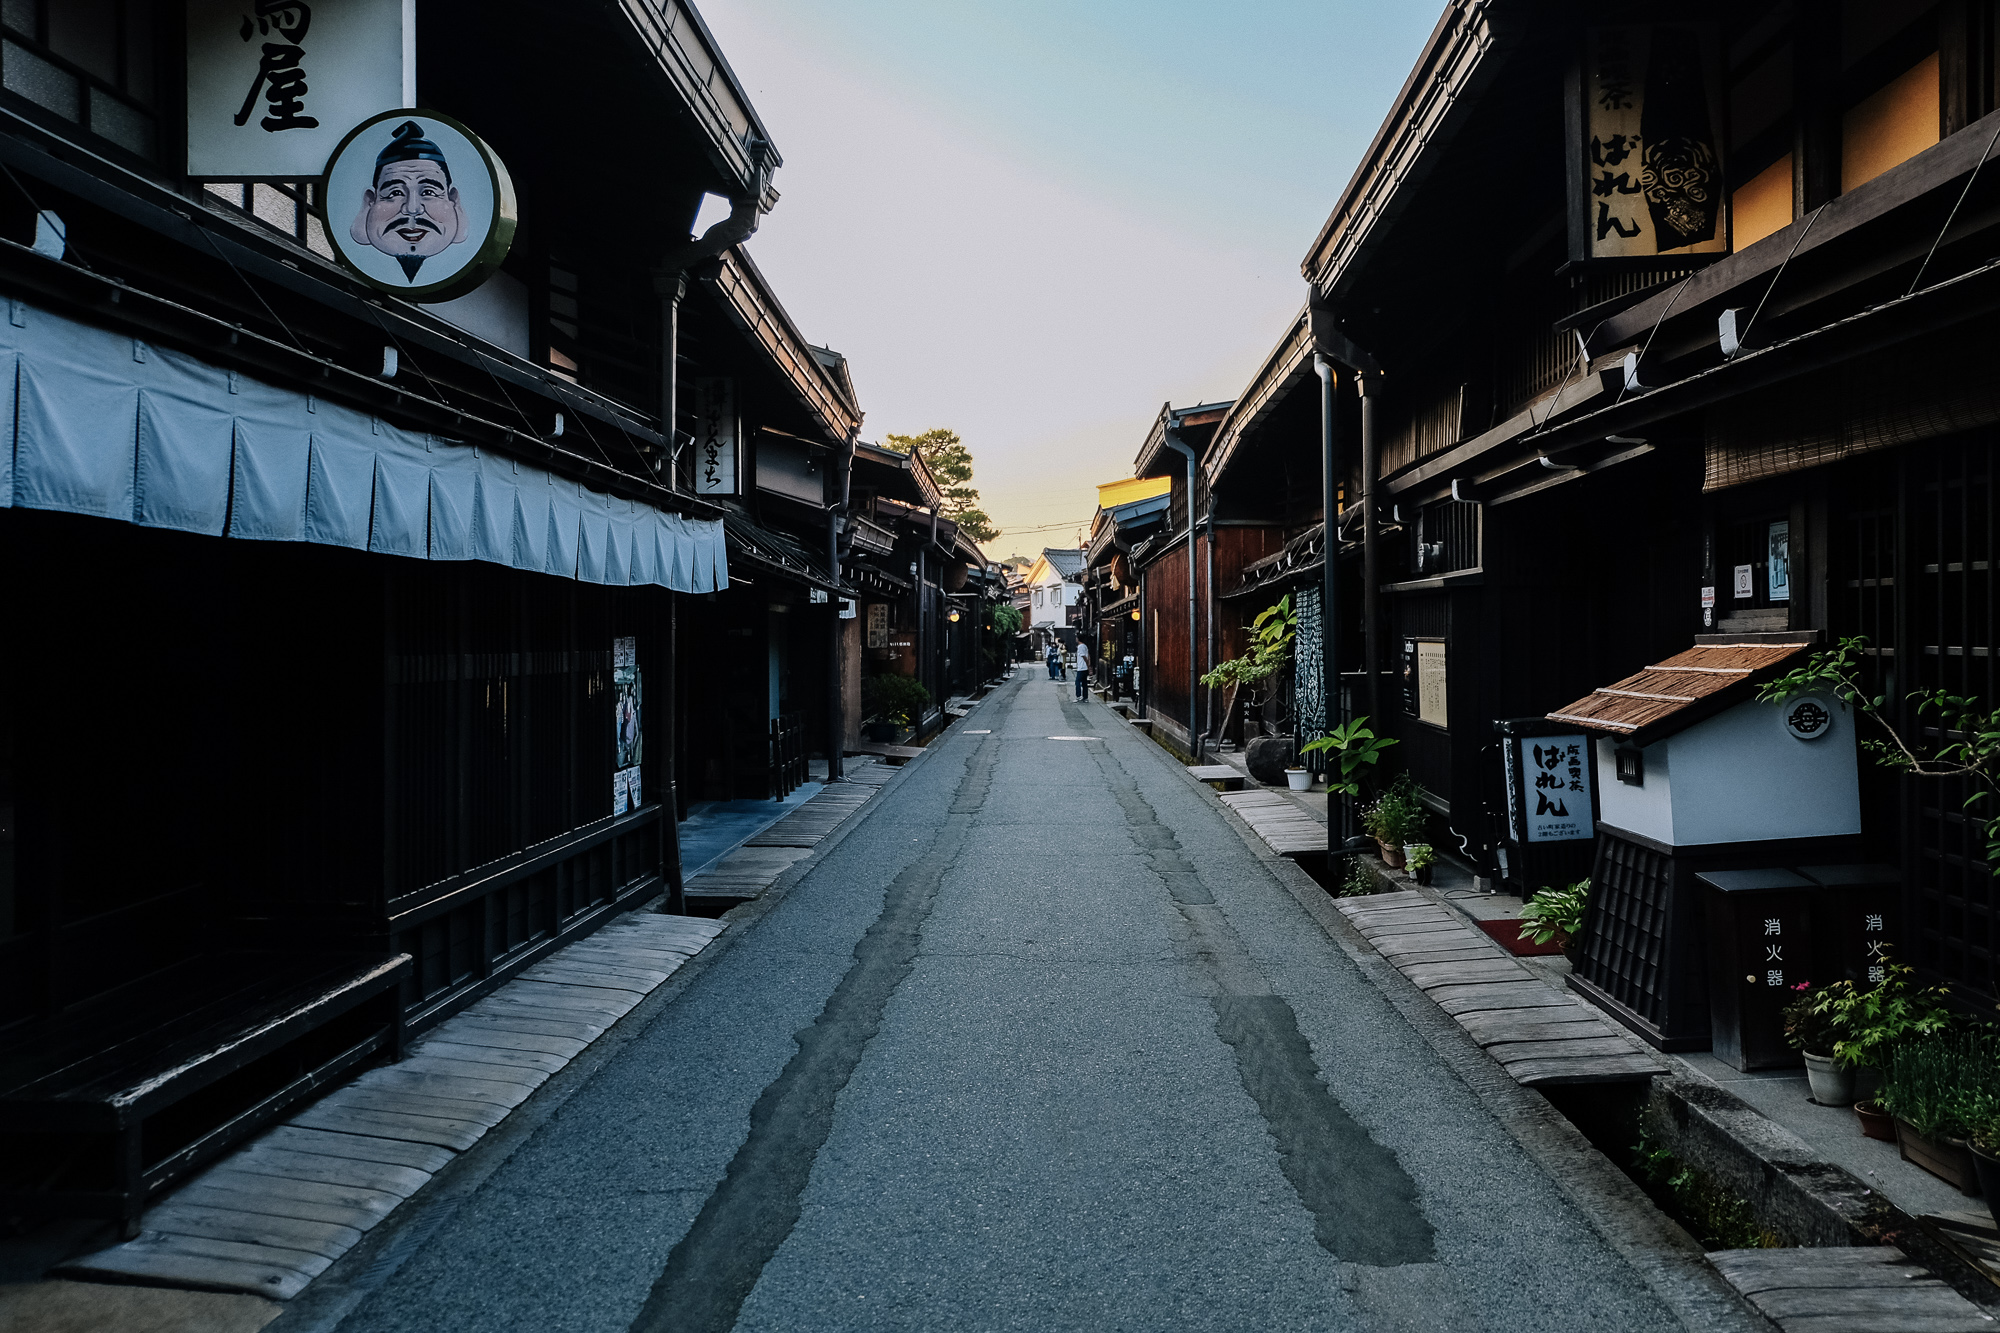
(415, 204)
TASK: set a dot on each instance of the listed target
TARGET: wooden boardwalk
(1286, 825)
(1540, 1035)
(275, 1214)
(1848, 1290)
(750, 869)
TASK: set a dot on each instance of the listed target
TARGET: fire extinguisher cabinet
(1697, 775)
(1760, 947)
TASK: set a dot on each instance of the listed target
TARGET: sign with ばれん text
(272, 85)
(1555, 802)
(1650, 180)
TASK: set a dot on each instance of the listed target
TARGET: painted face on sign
(411, 213)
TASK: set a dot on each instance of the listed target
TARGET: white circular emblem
(1807, 717)
(414, 203)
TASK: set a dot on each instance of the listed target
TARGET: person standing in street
(1055, 661)
(1082, 670)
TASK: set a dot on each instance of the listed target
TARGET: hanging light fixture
(1135, 615)
(954, 617)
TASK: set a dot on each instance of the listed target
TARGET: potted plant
(1392, 818)
(1299, 779)
(1556, 915)
(891, 703)
(1871, 1021)
(1349, 748)
(1935, 1087)
(1983, 1138)
(1421, 856)
(1810, 1031)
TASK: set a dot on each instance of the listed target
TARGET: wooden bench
(104, 1105)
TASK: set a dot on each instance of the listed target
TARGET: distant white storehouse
(1055, 598)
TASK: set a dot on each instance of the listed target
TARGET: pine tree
(951, 463)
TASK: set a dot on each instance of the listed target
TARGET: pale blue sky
(1033, 222)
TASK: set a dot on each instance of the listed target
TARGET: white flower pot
(1301, 779)
(1831, 1084)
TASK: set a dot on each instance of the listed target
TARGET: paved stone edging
(275, 1214)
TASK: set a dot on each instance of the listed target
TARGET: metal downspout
(1329, 595)
(836, 746)
(1370, 543)
(1197, 742)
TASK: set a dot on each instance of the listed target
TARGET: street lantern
(954, 617)
(1135, 615)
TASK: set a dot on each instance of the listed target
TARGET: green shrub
(1714, 1214)
(894, 698)
(1809, 1024)
(1396, 814)
(1871, 1021)
(1945, 1086)
(1555, 915)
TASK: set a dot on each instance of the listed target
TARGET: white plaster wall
(496, 310)
(1740, 776)
(1647, 810)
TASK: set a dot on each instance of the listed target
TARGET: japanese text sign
(1650, 178)
(273, 85)
(1555, 800)
(715, 436)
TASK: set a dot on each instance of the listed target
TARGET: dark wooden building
(1631, 410)
(342, 626)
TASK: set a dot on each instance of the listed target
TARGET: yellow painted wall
(1892, 126)
(1763, 204)
(1132, 488)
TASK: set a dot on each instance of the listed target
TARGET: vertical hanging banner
(627, 699)
(715, 436)
(273, 85)
(1646, 177)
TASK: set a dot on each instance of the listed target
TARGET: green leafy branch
(1970, 733)
(1271, 636)
(1356, 746)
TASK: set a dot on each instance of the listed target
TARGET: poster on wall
(626, 700)
(272, 85)
(1555, 804)
(878, 624)
(715, 436)
(1779, 570)
(415, 204)
(1649, 181)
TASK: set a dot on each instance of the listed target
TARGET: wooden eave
(1289, 363)
(754, 309)
(1673, 695)
(1939, 170)
(685, 53)
(1434, 104)
(1156, 460)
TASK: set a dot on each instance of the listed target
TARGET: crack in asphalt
(1364, 1204)
(711, 1271)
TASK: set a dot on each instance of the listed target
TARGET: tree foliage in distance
(951, 463)
(1006, 620)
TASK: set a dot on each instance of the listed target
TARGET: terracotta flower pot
(1392, 854)
(1832, 1084)
(1947, 1159)
(1875, 1122)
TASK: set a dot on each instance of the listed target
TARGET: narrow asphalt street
(1041, 1043)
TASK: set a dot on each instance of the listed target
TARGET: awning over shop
(97, 423)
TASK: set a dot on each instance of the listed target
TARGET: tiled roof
(1680, 691)
(1067, 562)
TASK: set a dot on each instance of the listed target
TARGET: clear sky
(1034, 222)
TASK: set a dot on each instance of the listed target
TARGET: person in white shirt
(1082, 670)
